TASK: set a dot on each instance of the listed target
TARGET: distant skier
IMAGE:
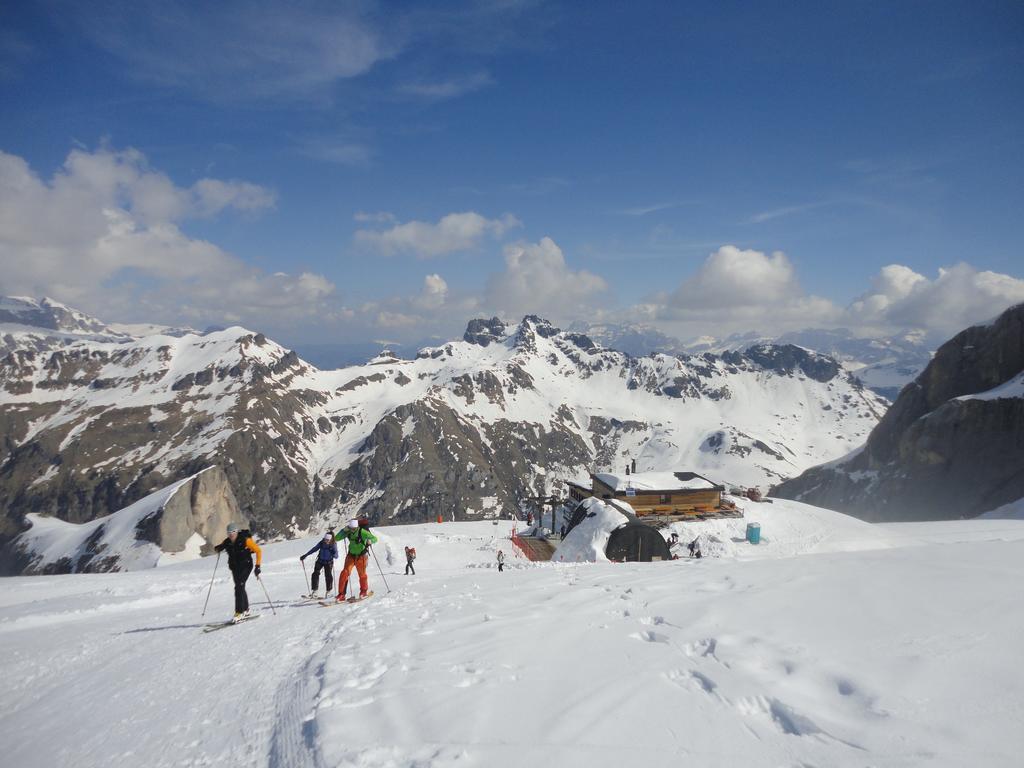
(327, 553)
(410, 556)
(695, 549)
(240, 548)
(501, 561)
(359, 540)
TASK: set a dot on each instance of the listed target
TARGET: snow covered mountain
(885, 364)
(634, 339)
(951, 445)
(46, 324)
(467, 429)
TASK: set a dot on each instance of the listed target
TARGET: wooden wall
(679, 501)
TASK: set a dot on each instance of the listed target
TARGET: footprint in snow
(650, 636)
(691, 679)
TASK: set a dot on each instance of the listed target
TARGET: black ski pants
(328, 569)
(241, 575)
(409, 566)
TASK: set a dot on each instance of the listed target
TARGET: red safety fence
(525, 545)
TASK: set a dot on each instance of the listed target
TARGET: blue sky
(642, 162)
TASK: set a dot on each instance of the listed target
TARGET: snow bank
(890, 658)
(1012, 388)
(788, 528)
(1012, 511)
(588, 540)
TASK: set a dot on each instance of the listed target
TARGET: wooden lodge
(657, 494)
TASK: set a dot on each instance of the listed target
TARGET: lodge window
(664, 499)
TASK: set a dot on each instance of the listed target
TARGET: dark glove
(302, 557)
(257, 571)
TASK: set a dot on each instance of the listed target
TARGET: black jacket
(240, 551)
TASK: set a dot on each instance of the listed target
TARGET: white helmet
(353, 523)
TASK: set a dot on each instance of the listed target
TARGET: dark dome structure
(636, 542)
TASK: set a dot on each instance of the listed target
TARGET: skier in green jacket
(359, 540)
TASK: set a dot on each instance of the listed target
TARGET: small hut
(655, 493)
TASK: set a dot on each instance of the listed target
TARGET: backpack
(410, 552)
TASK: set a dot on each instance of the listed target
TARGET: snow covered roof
(657, 481)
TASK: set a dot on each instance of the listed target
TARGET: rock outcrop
(952, 445)
(185, 519)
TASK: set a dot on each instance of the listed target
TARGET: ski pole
(379, 568)
(308, 588)
(272, 608)
(211, 585)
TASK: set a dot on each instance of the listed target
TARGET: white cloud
(643, 210)
(778, 213)
(738, 290)
(434, 293)
(536, 279)
(378, 217)
(343, 152)
(732, 276)
(386, 318)
(958, 297)
(450, 88)
(103, 234)
(434, 311)
(454, 232)
(237, 49)
(213, 196)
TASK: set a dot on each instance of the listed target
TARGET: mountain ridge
(466, 429)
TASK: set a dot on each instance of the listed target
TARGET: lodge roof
(657, 482)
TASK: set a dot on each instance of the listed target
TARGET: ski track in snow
(902, 655)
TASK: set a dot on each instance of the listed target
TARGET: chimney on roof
(633, 466)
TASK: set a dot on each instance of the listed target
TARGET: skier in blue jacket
(327, 553)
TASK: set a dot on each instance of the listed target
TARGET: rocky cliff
(951, 445)
(181, 521)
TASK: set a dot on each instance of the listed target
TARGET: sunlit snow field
(834, 643)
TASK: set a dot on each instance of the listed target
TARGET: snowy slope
(892, 656)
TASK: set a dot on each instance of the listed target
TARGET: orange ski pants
(360, 566)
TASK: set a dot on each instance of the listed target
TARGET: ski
(329, 603)
(226, 624)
